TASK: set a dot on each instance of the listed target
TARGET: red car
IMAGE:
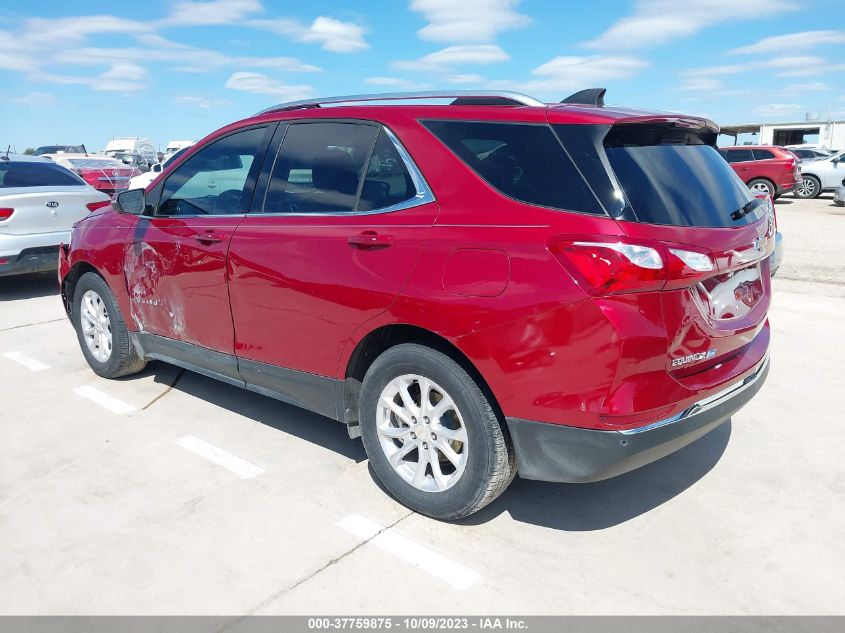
(479, 288)
(101, 172)
(765, 168)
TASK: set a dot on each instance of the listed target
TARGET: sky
(83, 72)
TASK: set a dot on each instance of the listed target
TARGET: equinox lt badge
(692, 358)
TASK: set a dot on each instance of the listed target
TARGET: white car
(823, 174)
(175, 146)
(39, 203)
(131, 145)
(144, 180)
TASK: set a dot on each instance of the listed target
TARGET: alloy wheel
(806, 188)
(422, 433)
(96, 326)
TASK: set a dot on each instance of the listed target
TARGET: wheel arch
(70, 280)
(382, 338)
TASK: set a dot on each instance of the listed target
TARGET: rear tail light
(615, 266)
(5, 214)
(769, 210)
(93, 206)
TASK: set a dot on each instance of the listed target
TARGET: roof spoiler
(590, 96)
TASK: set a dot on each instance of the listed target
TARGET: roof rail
(461, 97)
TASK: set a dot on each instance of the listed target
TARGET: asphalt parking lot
(170, 493)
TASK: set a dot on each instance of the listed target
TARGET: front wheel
(101, 330)
(431, 434)
(808, 188)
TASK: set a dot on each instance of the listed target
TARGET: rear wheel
(101, 330)
(761, 185)
(431, 434)
(809, 187)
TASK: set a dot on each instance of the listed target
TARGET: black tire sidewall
(112, 366)
(475, 412)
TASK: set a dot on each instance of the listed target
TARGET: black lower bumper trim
(32, 260)
(553, 452)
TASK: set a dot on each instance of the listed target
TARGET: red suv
(764, 168)
(480, 287)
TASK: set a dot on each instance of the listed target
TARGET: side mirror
(157, 167)
(130, 202)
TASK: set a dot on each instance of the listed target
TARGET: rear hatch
(692, 230)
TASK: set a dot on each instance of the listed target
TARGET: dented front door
(176, 278)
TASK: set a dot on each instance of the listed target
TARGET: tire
(478, 437)
(93, 301)
(810, 187)
(761, 185)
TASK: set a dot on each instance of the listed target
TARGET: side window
(319, 167)
(212, 181)
(522, 161)
(762, 154)
(739, 155)
(387, 181)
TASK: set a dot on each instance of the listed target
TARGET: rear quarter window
(36, 174)
(525, 162)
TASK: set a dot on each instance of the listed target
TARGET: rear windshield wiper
(744, 210)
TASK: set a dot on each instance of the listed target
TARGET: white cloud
(470, 54)
(209, 13)
(786, 66)
(205, 103)
(561, 75)
(791, 42)
(811, 86)
(396, 82)
(118, 78)
(576, 72)
(331, 34)
(37, 99)
(263, 84)
(656, 22)
(463, 78)
(778, 109)
(468, 20)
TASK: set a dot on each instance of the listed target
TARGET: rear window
(738, 155)
(523, 161)
(763, 154)
(673, 176)
(36, 174)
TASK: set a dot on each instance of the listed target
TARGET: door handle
(209, 237)
(370, 239)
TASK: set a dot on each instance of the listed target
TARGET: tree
(29, 150)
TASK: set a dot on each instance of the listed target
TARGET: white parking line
(26, 361)
(233, 463)
(104, 400)
(410, 551)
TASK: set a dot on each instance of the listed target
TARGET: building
(829, 134)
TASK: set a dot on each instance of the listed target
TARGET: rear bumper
(777, 255)
(30, 260)
(552, 452)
